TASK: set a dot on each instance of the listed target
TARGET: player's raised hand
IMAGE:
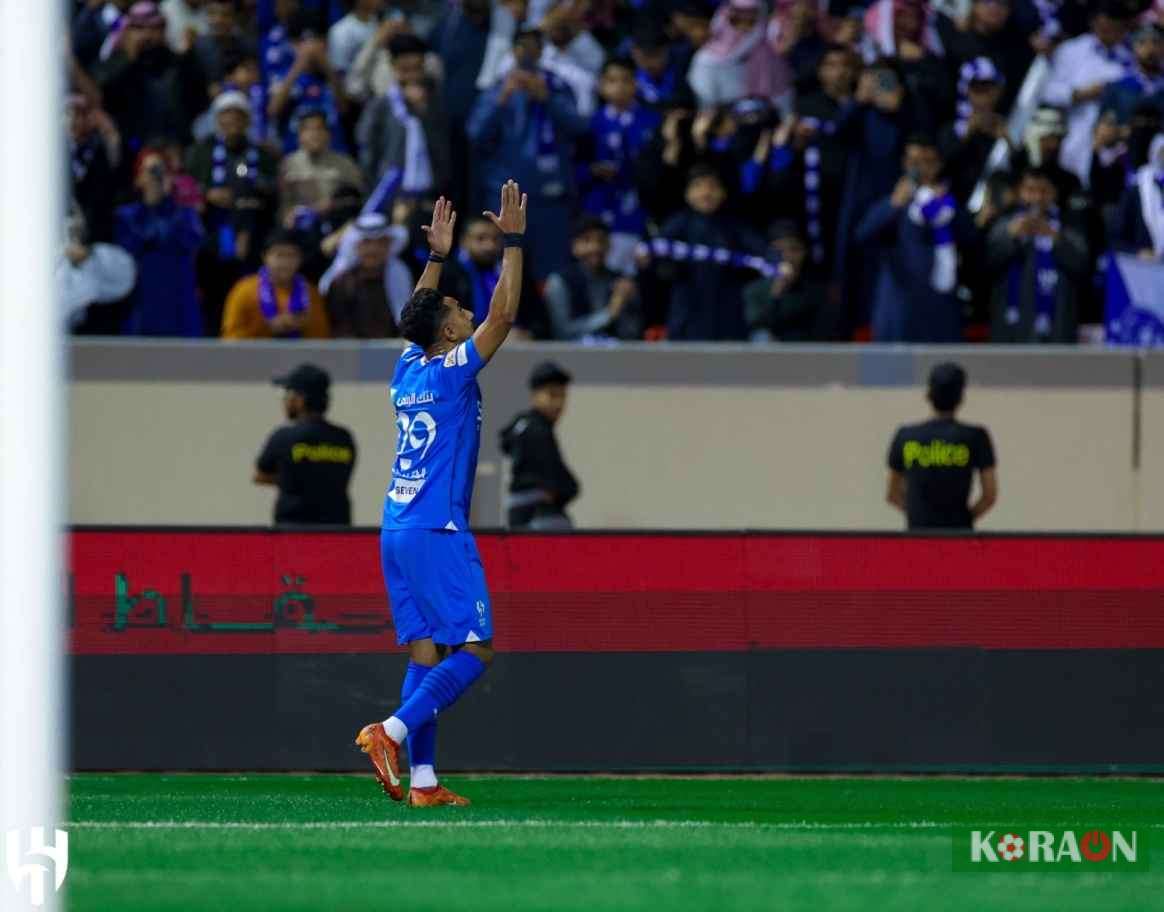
(440, 232)
(512, 217)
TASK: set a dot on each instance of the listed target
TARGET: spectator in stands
(524, 129)
(916, 229)
(589, 299)
(667, 159)
(1039, 263)
(460, 41)
(422, 15)
(706, 299)
(223, 43)
(994, 32)
(278, 302)
(1080, 72)
(352, 32)
(365, 302)
(89, 278)
(1042, 142)
(276, 47)
(619, 130)
(310, 177)
(966, 143)
(789, 306)
(874, 131)
(572, 54)
(309, 459)
(240, 74)
(797, 31)
(660, 68)
(691, 22)
(798, 170)
(1145, 82)
(309, 85)
(541, 485)
(186, 20)
(737, 61)
(94, 156)
(472, 274)
(932, 464)
(902, 34)
(150, 91)
(95, 29)
(1138, 226)
(377, 69)
(567, 36)
(163, 238)
(406, 127)
(238, 180)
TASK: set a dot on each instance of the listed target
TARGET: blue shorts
(436, 585)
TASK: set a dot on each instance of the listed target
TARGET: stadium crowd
(812, 171)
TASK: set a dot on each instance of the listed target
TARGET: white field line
(533, 823)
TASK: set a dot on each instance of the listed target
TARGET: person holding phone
(1037, 262)
(916, 229)
(163, 237)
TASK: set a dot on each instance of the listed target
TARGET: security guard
(542, 484)
(310, 459)
(932, 464)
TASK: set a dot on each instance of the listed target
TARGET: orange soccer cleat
(385, 756)
(437, 796)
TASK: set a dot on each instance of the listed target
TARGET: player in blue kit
(435, 580)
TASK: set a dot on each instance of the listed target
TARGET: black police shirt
(938, 459)
(313, 462)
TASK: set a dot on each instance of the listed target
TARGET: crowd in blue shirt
(792, 170)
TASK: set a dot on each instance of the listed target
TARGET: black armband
(434, 257)
(512, 239)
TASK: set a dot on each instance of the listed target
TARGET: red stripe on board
(256, 592)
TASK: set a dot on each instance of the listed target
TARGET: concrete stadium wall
(661, 437)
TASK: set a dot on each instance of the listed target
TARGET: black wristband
(435, 257)
(511, 239)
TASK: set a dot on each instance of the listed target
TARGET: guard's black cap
(548, 372)
(313, 382)
(947, 381)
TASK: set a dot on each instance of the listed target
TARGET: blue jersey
(438, 434)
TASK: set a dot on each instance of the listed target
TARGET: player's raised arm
(507, 294)
(440, 242)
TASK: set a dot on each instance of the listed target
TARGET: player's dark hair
(422, 317)
(621, 63)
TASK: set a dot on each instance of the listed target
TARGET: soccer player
(435, 580)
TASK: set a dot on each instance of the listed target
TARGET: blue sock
(440, 689)
(422, 742)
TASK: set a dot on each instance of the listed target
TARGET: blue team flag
(1135, 302)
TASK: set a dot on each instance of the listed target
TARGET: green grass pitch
(328, 843)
